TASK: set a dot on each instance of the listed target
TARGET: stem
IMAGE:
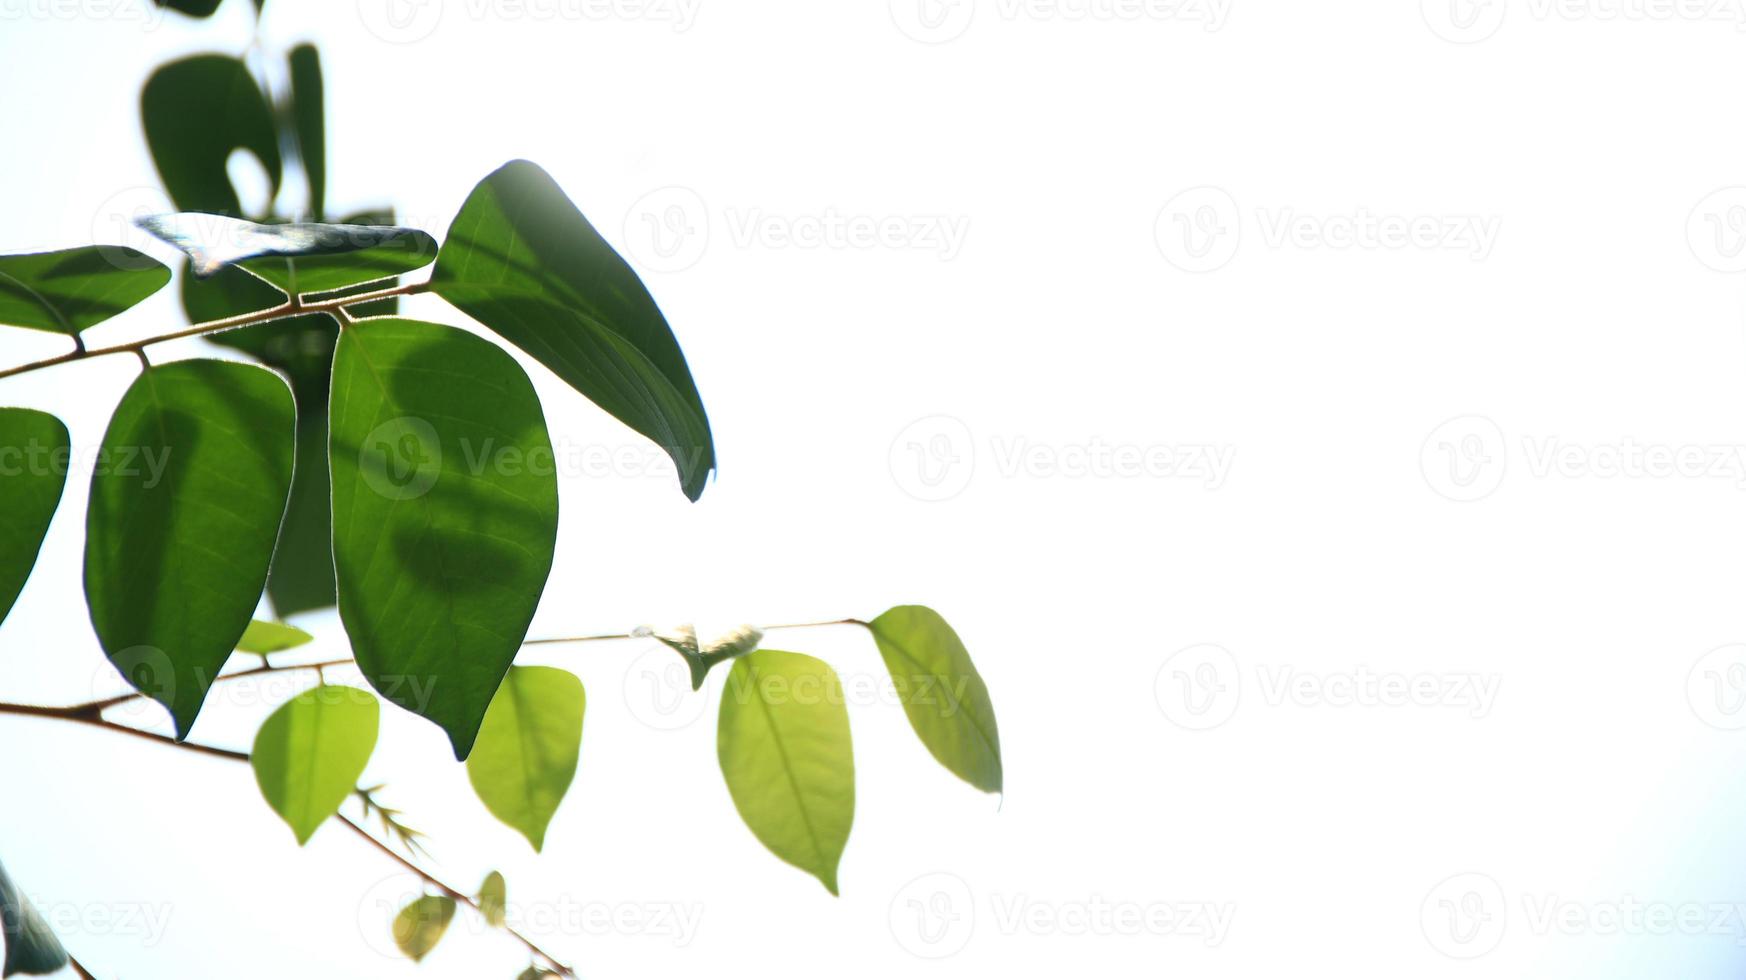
(295, 306)
(631, 636)
(266, 668)
(84, 714)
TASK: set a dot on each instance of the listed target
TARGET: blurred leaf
(445, 514)
(523, 261)
(943, 695)
(421, 924)
(262, 638)
(196, 8)
(197, 111)
(310, 127)
(525, 758)
(783, 742)
(701, 657)
(182, 521)
(30, 490)
(31, 946)
(72, 289)
(309, 753)
(328, 256)
(494, 899)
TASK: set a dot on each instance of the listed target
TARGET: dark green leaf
(72, 289)
(262, 638)
(523, 261)
(445, 514)
(327, 256)
(309, 753)
(34, 454)
(783, 741)
(196, 112)
(421, 924)
(31, 946)
(943, 695)
(193, 8)
(494, 899)
(185, 506)
(525, 758)
(310, 127)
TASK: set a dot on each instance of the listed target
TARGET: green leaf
(308, 122)
(943, 695)
(302, 349)
(262, 638)
(525, 758)
(783, 741)
(185, 506)
(523, 261)
(193, 8)
(34, 454)
(31, 946)
(197, 111)
(494, 899)
(445, 514)
(327, 257)
(309, 753)
(421, 924)
(72, 289)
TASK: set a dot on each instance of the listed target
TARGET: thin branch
(269, 668)
(632, 636)
(84, 716)
(295, 306)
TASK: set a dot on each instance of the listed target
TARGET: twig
(632, 636)
(268, 668)
(84, 715)
(295, 306)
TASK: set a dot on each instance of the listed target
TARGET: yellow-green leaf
(262, 638)
(783, 742)
(526, 754)
(309, 754)
(943, 695)
(421, 924)
(494, 899)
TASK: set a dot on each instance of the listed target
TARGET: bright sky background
(1039, 294)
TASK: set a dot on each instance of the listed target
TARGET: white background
(1240, 232)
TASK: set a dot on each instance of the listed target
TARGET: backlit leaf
(34, 454)
(525, 758)
(196, 112)
(421, 924)
(494, 899)
(72, 289)
(445, 514)
(783, 742)
(522, 260)
(263, 638)
(309, 753)
(31, 946)
(943, 695)
(183, 514)
(308, 122)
